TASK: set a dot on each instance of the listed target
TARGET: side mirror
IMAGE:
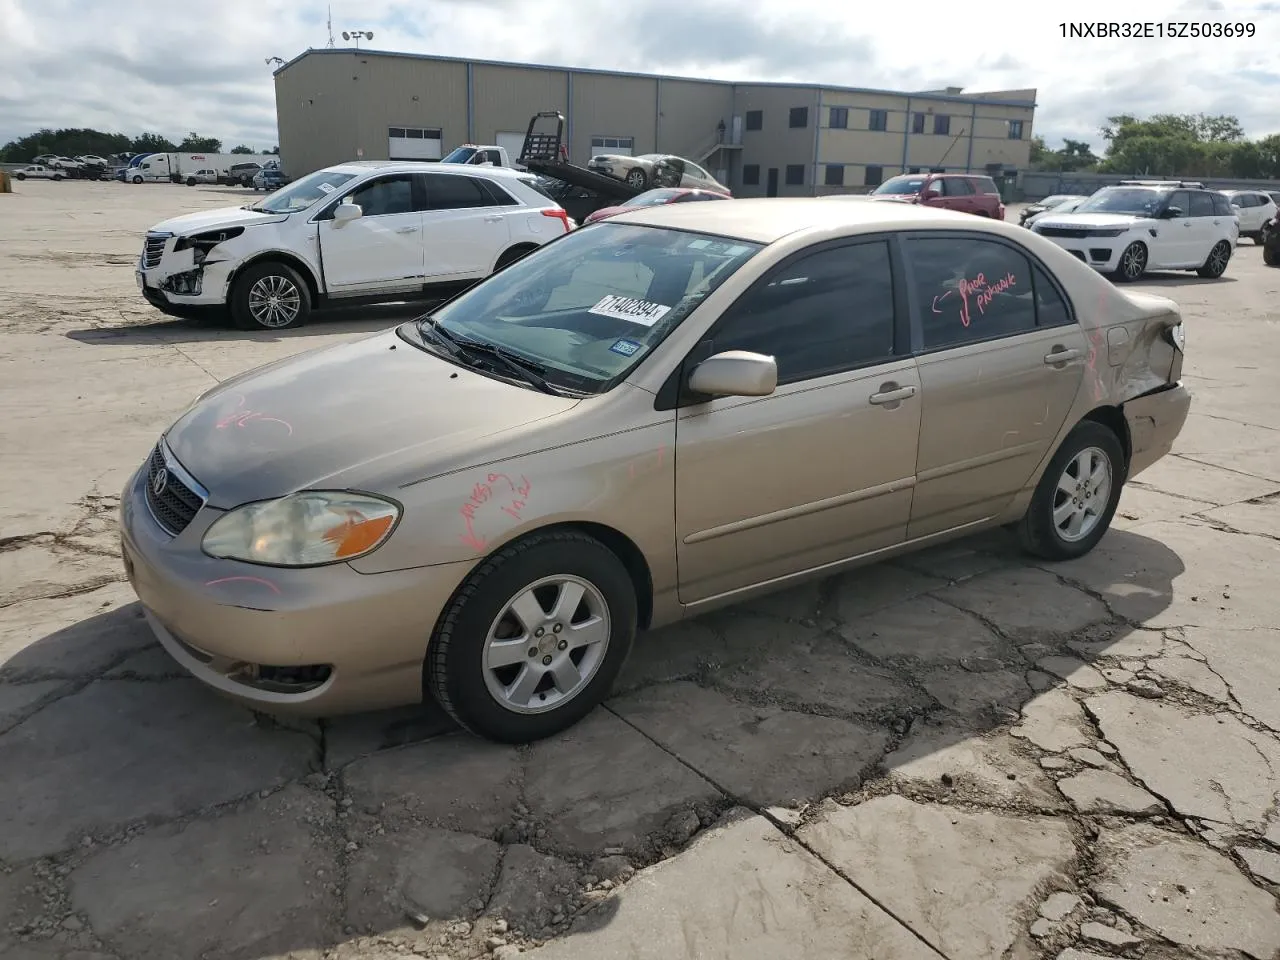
(930, 195)
(344, 213)
(1171, 213)
(735, 373)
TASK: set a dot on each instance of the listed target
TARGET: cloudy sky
(171, 68)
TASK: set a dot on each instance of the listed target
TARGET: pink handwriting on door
(498, 491)
(983, 291)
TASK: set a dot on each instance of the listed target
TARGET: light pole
(278, 61)
(356, 35)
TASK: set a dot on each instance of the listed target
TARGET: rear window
(986, 185)
(536, 186)
(1222, 206)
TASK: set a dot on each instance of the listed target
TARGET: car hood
(1088, 221)
(218, 219)
(895, 197)
(369, 414)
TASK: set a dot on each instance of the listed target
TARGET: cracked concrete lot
(961, 754)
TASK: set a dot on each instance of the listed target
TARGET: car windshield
(652, 198)
(301, 194)
(901, 185)
(590, 306)
(1055, 200)
(1134, 201)
(460, 155)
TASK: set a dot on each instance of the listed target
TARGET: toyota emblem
(160, 481)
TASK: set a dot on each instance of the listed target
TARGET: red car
(953, 191)
(653, 198)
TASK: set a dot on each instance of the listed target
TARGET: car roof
(765, 220)
(427, 166)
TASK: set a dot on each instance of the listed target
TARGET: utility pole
(329, 24)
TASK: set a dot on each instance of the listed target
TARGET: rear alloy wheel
(533, 640)
(1216, 265)
(1133, 262)
(637, 178)
(270, 296)
(1077, 496)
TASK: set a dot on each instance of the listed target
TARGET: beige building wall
(688, 113)
(505, 98)
(776, 146)
(612, 106)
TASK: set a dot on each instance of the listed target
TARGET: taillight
(560, 215)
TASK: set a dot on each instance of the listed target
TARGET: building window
(799, 117)
(755, 119)
(1015, 129)
(414, 143)
(879, 120)
(619, 145)
(839, 118)
(795, 174)
(751, 174)
(917, 123)
(941, 124)
(834, 175)
(874, 176)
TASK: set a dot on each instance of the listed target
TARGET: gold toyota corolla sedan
(662, 413)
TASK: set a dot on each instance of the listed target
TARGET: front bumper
(309, 642)
(174, 279)
(1101, 253)
(1155, 420)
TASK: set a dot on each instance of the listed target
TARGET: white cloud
(138, 67)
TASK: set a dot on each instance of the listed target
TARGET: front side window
(1222, 206)
(384, 197)
(1181, 201)
(970, 289)
(1201, 205)
(301, 194)
(590, 306)
(823, 313)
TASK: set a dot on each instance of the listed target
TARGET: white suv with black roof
(1142, 225)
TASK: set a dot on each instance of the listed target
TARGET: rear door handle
(492, 219)
(892, 395)
(1061, 356)
(407, 230)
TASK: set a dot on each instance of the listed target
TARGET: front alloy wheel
(534, 638)
(270, 296)
(637, 178)
(1133, 262)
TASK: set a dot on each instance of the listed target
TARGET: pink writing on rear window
(981, 291)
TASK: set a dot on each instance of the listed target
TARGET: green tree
(241, 149)
(1169, 144)
(194, 143)
(152, 143)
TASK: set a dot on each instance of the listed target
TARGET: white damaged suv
(371, 231)
(1142, 225)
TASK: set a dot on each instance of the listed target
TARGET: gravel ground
(961, 754)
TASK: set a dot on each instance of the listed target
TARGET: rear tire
(1077, 496)
(487, 683)
(637, 179)
(1270, 256)
(270, 296)
(20, 176)
(1216, 263)
(191, 181)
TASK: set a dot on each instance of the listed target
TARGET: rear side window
(533, 184)
(958, 187)
(986, 185)
(1051, 308)
(1201, 204)
(498, 197)
(1222, 205)
(969, 289)
(454, 192)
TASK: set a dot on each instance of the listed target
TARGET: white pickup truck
(480, 155)
(370, 231)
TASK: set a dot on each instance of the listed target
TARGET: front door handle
(1061, 356)
(407, 230)
(493, 219)
(891, 393)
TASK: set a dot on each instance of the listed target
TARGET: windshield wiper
(526, 370)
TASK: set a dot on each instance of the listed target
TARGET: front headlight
(303, 529)
(1179, 336)
(1107, 233)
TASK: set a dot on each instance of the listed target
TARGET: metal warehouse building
(761, 139)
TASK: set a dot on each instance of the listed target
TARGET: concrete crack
(1215, 466)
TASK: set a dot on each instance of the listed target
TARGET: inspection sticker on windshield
(326, 187)
(627, 348)
(629, 308)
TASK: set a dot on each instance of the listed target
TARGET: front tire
(534, 639)
(137, 179)
(191, 181)
(1133, 262)
(1216, 263)
(270, 296)
(20, 176)
(1077, 496)
(637, 179)
(1270, 256)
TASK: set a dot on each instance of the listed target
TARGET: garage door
(513, 143)
(413, 143)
